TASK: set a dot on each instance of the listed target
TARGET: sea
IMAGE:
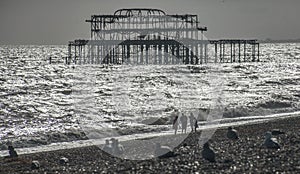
(50, 106)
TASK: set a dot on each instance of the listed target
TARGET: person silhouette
(175, 121)
(192, 121)
(183, 120)
(196, 125)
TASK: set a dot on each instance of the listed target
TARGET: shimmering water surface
(42, 103)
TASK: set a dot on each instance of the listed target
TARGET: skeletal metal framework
(150, 36)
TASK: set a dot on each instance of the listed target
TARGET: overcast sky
(58, 21)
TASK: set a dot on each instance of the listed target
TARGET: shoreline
(216, 124)
(244, 155)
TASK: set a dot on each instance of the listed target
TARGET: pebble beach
(246, 155)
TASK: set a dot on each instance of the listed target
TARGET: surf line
(84, 143)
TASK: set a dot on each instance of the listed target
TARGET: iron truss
(150, 36)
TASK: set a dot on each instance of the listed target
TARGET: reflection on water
(42, 103)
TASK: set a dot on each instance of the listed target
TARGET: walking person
(196, 124)
(175, 121)
(192, 121)
(183, 120)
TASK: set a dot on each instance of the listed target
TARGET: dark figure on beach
(107, 147)
(192, 121)
(35, 165)
(12, 152)
(196, 125)
(63, 160)
(270, 142)
(163, 151)
(208, 153)
(232, 134)
(175, 121)
(183, 120)
(50, 60)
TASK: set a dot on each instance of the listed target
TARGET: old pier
(150, 36)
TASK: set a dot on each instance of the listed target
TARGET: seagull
(232, 134)
(208, 153)
(163, 151)
(35, 165)
(270, 142)
(63, 160)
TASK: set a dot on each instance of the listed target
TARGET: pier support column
(201, 52)
(253, 52)
(128, 54)
(258, 52)
(239, 51)
(142, 54)
(147, 54)
(69, 58)
(187, 55)
(178, 54)
(160, 54)
(75, 56)
(234, 52)
(231, 52)
(223, 49)
(245, 48)
(166, 54)
(205, 53)
(173, 54)
(216, 52)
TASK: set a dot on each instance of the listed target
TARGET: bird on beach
(208, 153)
(11, 150)
(163, 151)
(270, 142)
(232, 134)
(63, 160)
(35, 165)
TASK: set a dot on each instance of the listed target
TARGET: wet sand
(242, 156)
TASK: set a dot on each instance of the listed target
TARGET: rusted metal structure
(150, 36)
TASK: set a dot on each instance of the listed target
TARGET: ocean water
(42, 103)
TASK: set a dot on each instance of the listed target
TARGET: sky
(59, 21)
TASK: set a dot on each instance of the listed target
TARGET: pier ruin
(150, 36)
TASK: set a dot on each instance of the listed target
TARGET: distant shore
(244, 155)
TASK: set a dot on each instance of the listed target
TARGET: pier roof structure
(151, 36)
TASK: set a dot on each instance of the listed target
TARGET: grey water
(42, 103)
